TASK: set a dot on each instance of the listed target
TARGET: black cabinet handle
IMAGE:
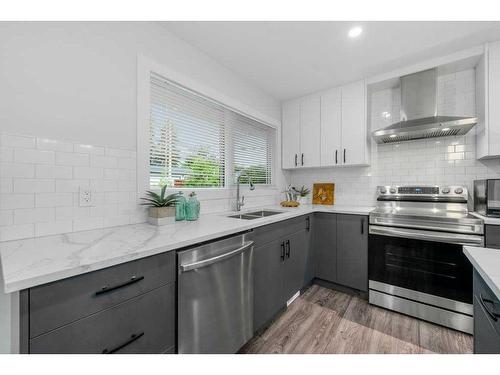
(362, 226)
(493, 315)
(282, 252)
(295, 159)
(288, 248)
(106, 289)
(336, 158)
(344, 155)
(308, 223)
(132, 338)
(302, 159)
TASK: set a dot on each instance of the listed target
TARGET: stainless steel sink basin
(255, 214)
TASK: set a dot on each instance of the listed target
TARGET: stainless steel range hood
(419, 117)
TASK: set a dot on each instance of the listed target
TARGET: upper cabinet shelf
(327, 129)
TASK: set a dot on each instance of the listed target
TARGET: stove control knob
(459, 190)
(383, 190)
(392, 190)
(445, 190)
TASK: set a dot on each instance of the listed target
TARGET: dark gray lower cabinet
(128, 308)
(352, 251)
(144, 324)
(325, 246)
(486, 318)
(492, 236)
(282, 266)
(341, 249)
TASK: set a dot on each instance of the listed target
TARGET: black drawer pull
(493, 315)
(344, 155)
(362, 226)
(336, 159)
(132, 338)
(308, 223)
(288, 248)
(295, 159)
(106, 289)
(302, 159)
(282, 252)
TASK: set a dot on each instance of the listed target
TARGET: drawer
(492, 236)
(491, 302)
(284, 228)
(150, 317)
(56, 304)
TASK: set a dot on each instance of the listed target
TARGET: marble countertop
(487, 262)
(36, 261)
(487, 219)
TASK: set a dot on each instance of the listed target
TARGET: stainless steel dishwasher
(215, 296)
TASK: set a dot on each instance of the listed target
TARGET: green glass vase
(192, 207)
(180, 207)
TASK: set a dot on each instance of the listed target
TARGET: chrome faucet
(241, 202)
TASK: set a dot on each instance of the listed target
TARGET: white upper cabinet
(326, 130)
(487, 97)
(331, 127)
(310, 117)
(354, 137)
(290, 134)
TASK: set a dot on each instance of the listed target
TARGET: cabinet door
(486, 338)
(331, 123)
(325, 246)
(297, 251)
(493, 98)
(290, 133)
(352, 251)
(310, 114)
(268, 282)
(354, 139)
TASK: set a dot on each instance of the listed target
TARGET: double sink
(255, 214)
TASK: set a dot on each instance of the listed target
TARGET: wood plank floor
(327, 321)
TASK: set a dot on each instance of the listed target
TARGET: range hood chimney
(419, 117)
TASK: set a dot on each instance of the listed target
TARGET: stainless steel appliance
(215, 296)
(419, 117)
(487, 197)
(416, 264)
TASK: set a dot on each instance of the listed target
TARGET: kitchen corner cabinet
(128, 308)
(486, 318)
(487, 97)
(341, 249)
(283, 265)
(327, 129)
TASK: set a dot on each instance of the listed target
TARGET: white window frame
(145, 66)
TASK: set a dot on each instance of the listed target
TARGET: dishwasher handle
(216, 259)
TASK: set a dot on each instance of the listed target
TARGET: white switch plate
(85, 197)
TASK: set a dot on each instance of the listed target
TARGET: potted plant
(161, 207)
(302, 193)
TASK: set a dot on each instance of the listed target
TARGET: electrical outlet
(85, 197)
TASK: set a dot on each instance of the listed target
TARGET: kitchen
(166, 190)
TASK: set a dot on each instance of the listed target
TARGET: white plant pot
(161, 215)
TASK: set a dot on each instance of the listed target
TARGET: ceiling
(290, 59)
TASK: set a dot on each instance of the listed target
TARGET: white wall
(447, 160)
(74, 83)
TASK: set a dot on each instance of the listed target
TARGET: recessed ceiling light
(355, 32)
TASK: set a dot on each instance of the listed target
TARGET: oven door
(423, 261)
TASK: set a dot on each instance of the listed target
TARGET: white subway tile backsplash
(73, 159)
(70, 213)
(31, 185)
(6, 217)
(17, 170)
(88, 149)
(88, 223)
(54, 145)
(100, 161)
(53, 199)
(6, 185)
(54, 227)
(88, 172)
(71, 186)
(53, 171)
(15, 232)
(22, 155)
(34, 215)
(118, 153)
(13, 201)
(6, 155)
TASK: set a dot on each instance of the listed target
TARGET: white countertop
(487, 219)
(36, 261)
(487, 262)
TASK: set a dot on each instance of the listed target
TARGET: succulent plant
(303, 191)
(153, 199)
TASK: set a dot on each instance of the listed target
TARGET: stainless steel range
(416, 264)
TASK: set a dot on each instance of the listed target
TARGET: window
(196, 142)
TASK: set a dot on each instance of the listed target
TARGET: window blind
(187, 138)
(252, 149)
(197, 142)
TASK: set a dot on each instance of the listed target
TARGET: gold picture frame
(323, 193)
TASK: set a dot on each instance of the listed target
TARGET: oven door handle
(454, 238)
